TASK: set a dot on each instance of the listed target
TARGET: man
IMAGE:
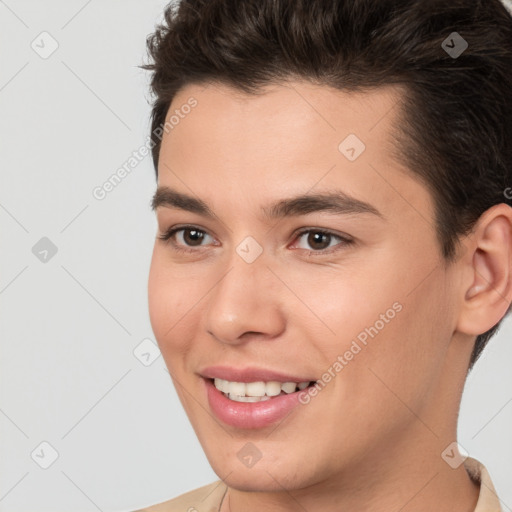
(334, 244)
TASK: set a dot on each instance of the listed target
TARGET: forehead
(291, 110)
(293, 136)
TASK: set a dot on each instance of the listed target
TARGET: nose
(246, 303)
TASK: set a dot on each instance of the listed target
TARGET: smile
(257, 391)
(238, 408)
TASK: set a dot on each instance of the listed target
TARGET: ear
(488, 267)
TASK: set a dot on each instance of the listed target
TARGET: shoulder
(203, 499)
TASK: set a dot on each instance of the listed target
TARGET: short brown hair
(456, 130)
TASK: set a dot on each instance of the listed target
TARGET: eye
(320, 240)
(189, 239)
(190, 236)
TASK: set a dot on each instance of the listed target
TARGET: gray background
(70, 324)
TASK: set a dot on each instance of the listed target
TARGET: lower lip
(250, 414)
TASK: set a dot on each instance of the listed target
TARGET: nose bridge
(243, 299)
(247, 268)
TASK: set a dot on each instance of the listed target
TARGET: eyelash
(166, 237)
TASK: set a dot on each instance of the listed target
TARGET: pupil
(315, 238)
(196, 236)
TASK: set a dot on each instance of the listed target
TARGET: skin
(372, 439)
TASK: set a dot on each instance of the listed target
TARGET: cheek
(403, 360)
(383, 315)
(172, 296)
(343, 303)
(156, 296)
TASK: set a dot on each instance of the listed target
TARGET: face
(346, 290)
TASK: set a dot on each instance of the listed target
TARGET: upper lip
(250, 374)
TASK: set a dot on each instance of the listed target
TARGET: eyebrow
(337, 202)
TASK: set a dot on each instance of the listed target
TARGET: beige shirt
(209, 497)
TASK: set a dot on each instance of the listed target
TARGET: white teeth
(236, 388)
(222, 385)
(237, 398)
(273, 388)
(256, 391)
(289, 387)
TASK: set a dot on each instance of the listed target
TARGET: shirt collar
(488, 500)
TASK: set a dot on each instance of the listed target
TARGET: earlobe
(489, 295)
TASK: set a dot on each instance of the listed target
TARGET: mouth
(258, 391)
(253, 405)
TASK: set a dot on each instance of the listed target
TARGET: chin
(263, 476)
(251, 480)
